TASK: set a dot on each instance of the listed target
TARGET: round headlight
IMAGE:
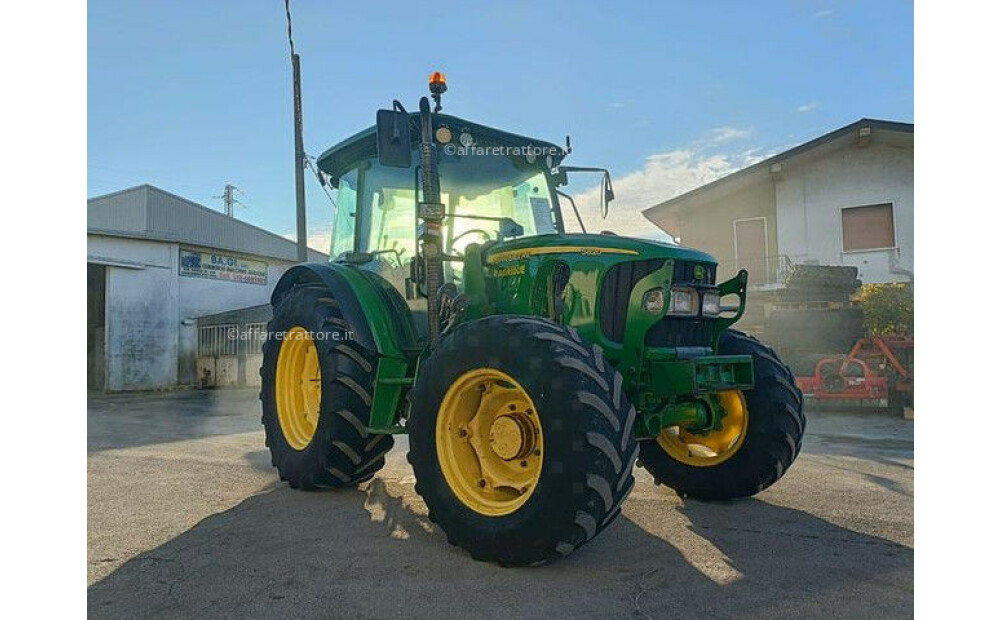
(652, 301)
(443, 135)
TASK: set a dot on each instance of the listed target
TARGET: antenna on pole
(229, 199)
(300, 151)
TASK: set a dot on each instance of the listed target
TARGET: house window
(868, 228)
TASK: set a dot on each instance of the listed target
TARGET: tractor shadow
(371, 552)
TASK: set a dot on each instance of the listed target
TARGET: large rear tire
(770, 439)
(316, 394)
(521, 439)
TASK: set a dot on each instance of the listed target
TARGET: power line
(322, 183)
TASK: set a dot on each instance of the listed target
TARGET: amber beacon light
(438, 86)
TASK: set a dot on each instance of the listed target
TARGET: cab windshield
(376, 205)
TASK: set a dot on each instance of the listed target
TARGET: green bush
(888, 308)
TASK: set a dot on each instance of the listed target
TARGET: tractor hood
(595, 283)
(608, 247)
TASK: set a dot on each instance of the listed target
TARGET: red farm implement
(877, 372)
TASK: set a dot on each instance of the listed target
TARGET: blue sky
(668, 95)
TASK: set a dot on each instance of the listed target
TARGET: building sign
(215, 266)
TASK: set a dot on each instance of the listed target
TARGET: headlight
(710, 303)
(652, 301)
(683, 302)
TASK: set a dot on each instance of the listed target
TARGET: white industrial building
(155, 262)
(845, 198)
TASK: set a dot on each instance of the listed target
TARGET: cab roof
(342, 156)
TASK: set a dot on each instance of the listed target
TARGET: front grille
(670, 331)
(676, 331)
(615, 291)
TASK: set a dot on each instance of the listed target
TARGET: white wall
(145, 342)
(141, 312)
(811, 195)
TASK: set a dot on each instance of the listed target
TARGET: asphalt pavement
(187, 518)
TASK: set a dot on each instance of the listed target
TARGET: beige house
(845, 198)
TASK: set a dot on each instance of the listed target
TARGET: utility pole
(229, 199)
(300, 162)
(300, 151)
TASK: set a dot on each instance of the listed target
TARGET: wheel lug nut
(463, 433)
(524, 463)
(482, 483)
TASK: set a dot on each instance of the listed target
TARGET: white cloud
(824, 13)
(808, 107)
(725, 134)
(750, 157)
(317, 238)
(663, 176)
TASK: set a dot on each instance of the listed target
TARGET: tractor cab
(494, 186)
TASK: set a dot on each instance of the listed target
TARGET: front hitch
(682, 392)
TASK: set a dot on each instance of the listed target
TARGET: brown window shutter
(868, 228)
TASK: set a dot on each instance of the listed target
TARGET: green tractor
(529, 366)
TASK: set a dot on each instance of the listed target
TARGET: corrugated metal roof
(148, 212)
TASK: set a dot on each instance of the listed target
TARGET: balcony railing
(766, 272)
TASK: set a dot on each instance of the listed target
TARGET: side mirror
(607, 194)
(392, 137)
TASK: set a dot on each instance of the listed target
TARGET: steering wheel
(480, 231)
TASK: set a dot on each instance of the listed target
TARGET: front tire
(771, 435)
(316, 394)
(521, 439)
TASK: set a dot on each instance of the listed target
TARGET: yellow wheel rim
(712, 448)
(489, 442)
(298, 387)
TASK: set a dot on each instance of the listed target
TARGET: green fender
(381, 322)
